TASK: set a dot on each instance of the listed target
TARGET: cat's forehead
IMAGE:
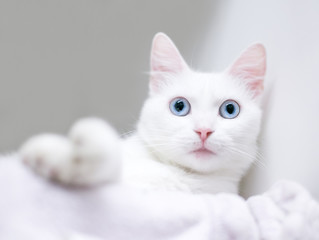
(205, 86)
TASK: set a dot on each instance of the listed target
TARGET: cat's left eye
(180, 106)
(229, 109)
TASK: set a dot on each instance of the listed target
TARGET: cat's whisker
(126, 134)
(257, 159)
(171, 157)
(164, 147)
(164, 140)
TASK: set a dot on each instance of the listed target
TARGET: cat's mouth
(203, 152)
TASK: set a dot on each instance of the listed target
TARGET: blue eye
(180, 106)
(229, 109)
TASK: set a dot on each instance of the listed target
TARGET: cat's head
(203, 121)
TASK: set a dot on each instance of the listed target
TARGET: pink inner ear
(165, 57)
(251, 67)
(166, 62)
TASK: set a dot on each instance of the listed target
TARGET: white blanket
(34, 209)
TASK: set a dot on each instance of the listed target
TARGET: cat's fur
(160, 155)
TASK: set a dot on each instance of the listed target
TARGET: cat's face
(203, 121)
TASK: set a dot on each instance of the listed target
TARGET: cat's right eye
(180, 106)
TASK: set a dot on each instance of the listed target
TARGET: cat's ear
(251, 67)
(165, 60)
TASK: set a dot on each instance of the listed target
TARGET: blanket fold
(34, 209)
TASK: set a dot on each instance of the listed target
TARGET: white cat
(197, 131)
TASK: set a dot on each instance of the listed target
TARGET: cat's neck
(215, 182)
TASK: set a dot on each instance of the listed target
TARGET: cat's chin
(200, 160)
(203, 153)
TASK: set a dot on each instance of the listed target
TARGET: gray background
(65, 59)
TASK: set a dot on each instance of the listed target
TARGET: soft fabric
(32, 208)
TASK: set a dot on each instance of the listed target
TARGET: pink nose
(204, 133)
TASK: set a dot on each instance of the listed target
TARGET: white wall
(290, 32)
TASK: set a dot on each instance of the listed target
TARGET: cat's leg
(90, 154)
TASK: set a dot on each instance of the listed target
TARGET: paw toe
(46, 154)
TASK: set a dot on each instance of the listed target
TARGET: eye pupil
(230, 108)
(179, 106)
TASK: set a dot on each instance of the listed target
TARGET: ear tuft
(251, 67)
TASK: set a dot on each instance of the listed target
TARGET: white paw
(49, 155)
(97, 150)
(89, 155)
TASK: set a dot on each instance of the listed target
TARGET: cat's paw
(49, 155)
(91, 154)
(96, 151)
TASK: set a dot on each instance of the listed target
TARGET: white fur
(160, 154)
